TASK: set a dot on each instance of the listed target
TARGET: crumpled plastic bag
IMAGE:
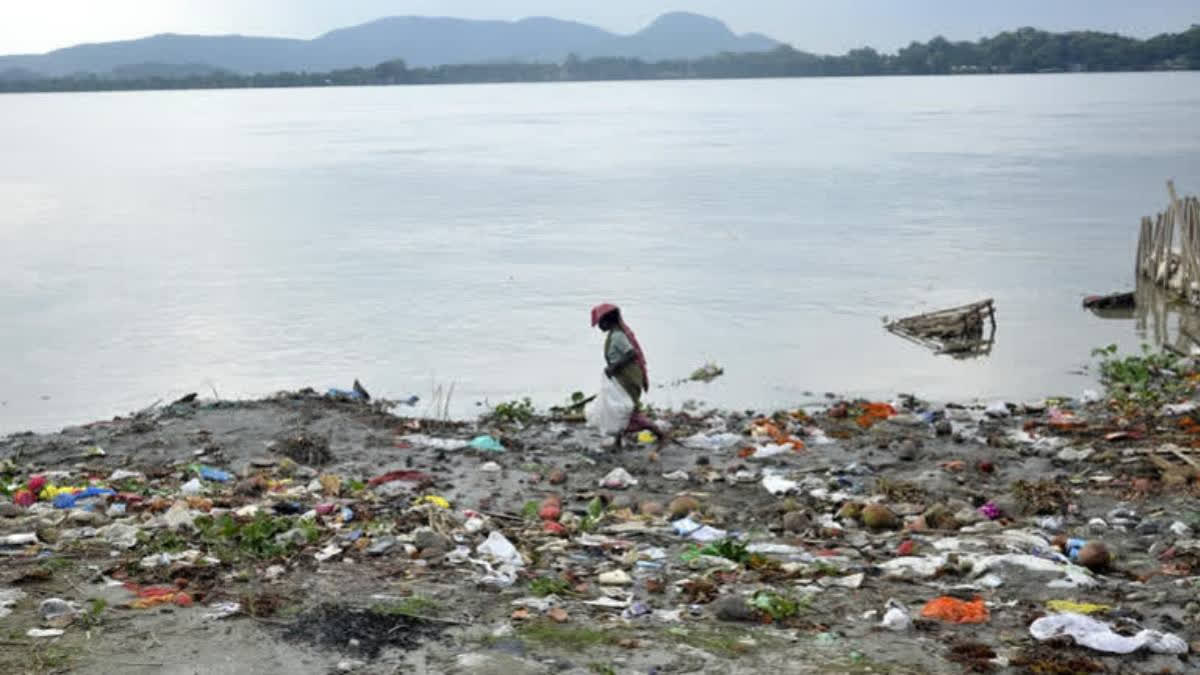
(713, 442)
(896, 618)
(1094, 634)
(611, 410)
(500, 550)
(618, 479)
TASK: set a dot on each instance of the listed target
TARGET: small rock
(998, 410)
(294, 536)
(796, 521)
(424, 537)
(55, 609)
(614, 578)
(734, 608)
(490, 467)
(86, 517)
(878, 517)
(940, 517)
(381, 545)
(251, 487)
(618, 479)
(557, 477)
(179, 516)
(681, 506)
(652, 509)
(850, 511)
(1147, 527)
(1094, 556)
(558, 615)
(943, 428)
(907, 450)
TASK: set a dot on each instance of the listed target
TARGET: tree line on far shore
(1023, 51)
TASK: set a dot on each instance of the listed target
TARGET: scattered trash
(1072, 607)
(609, 413)
(213, 474)
(586, 548)
(55, 610)
(394, 476)
(618, 479)
(222, 610)
(8, 598)
(953, 610)
(486, 444)
(697, 531)
(777, 485)
(896, 618)
(1093, 634)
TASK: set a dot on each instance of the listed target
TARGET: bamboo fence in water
(1169, 263)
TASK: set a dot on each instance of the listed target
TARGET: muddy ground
(423, 606)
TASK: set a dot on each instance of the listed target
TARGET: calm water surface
(153, 244)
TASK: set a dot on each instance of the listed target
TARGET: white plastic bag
(1098, 635)
(612, 408)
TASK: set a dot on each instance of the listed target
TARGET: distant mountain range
(420, 41)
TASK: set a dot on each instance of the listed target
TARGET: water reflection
(1160, 318)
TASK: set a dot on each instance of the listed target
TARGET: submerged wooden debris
(958, 331)
(1112, 301)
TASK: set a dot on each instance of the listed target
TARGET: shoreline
(727, 551)
(183, 86)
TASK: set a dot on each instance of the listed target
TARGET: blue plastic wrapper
(487, 443)
(1073, 546)
(209, 473)
(65, 501)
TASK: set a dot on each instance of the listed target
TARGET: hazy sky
(814, 25)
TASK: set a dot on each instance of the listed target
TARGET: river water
(153, 244)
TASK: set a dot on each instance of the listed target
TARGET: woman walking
(626, 363)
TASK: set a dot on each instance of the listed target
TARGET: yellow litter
(49, 492)
(435, 500)
(1076, 607)
(646, 437)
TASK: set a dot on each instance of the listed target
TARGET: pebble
(381, 545)
(1147, 527)
(796, 521)
(1094, 556)
(734, 608)
(425, 537)
(653, 509)
(879, 517)
(1181, 529)
(557, 477)
(682, 506)
(614, 578)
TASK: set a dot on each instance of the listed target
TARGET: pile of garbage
(865, 528)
